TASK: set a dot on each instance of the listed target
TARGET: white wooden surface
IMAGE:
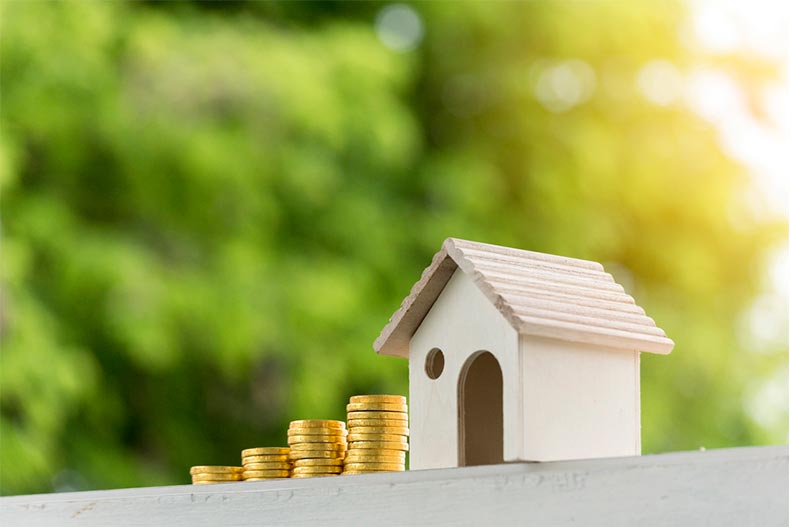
(433, 403)
(580, 400)
(724, 488)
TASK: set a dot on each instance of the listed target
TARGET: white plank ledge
(729, 487)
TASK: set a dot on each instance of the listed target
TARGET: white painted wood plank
(433, 403)
(724, 488)
(580, 401)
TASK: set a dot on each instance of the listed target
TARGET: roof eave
(612, 339)
(394, 338)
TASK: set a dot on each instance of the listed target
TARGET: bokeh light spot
(660, 82)
(562, 86)
(716, 29)
(713, 94)
(399, 27)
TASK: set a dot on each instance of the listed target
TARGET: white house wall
(580, 401)
(460, 323)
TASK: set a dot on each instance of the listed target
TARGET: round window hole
(434, 363)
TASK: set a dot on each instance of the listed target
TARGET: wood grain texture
(740, 487)
(394, 338)
(538, 294)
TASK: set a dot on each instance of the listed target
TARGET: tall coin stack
(265, 463)
(204, 474)
(317, 447)
(378, 434)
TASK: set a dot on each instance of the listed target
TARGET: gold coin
(316, 439)
(393, 430)
(316, 431)
(373, 466)
(326, 447)
(379, 445)
(266, 473)
(272, 465)
(380, 467)
(362, 456)
(329, 429)
(296, 447)
(323, 432)
(336, 450)
(265, 451)
(309, 454)
(264, 459)
(216, 477)
(354, 423)
(313, 475)
(392, 438)
(377, 407)
(320, 447)
(370, 451)
(206, 482)
(318, 470)
(214, 469)
(261, 479)
(312, 430)
(317, 462)
(388, 416)
(330, 469)
(316, 454)
(386, 438)
(323, 473)
(320, 423)
(389, 399)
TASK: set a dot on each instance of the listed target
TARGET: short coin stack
(266, 463)
(204, 474)
(378, 434)
(317, 447)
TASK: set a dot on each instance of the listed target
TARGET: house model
(517, 355)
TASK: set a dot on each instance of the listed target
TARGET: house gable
(461, 322)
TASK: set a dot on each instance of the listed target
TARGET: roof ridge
(557, 267)
(523, 253)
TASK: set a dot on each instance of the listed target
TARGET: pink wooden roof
(539, 294)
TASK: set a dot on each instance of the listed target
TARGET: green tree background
(210, 210)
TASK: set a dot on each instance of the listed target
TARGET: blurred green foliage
(210, 210)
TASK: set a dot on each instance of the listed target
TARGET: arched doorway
(480, 431)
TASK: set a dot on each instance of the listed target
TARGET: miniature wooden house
(516, 355)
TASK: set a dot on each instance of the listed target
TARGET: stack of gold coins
(317, 447)
(266, 463)
(378, 434)
(204, 474)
